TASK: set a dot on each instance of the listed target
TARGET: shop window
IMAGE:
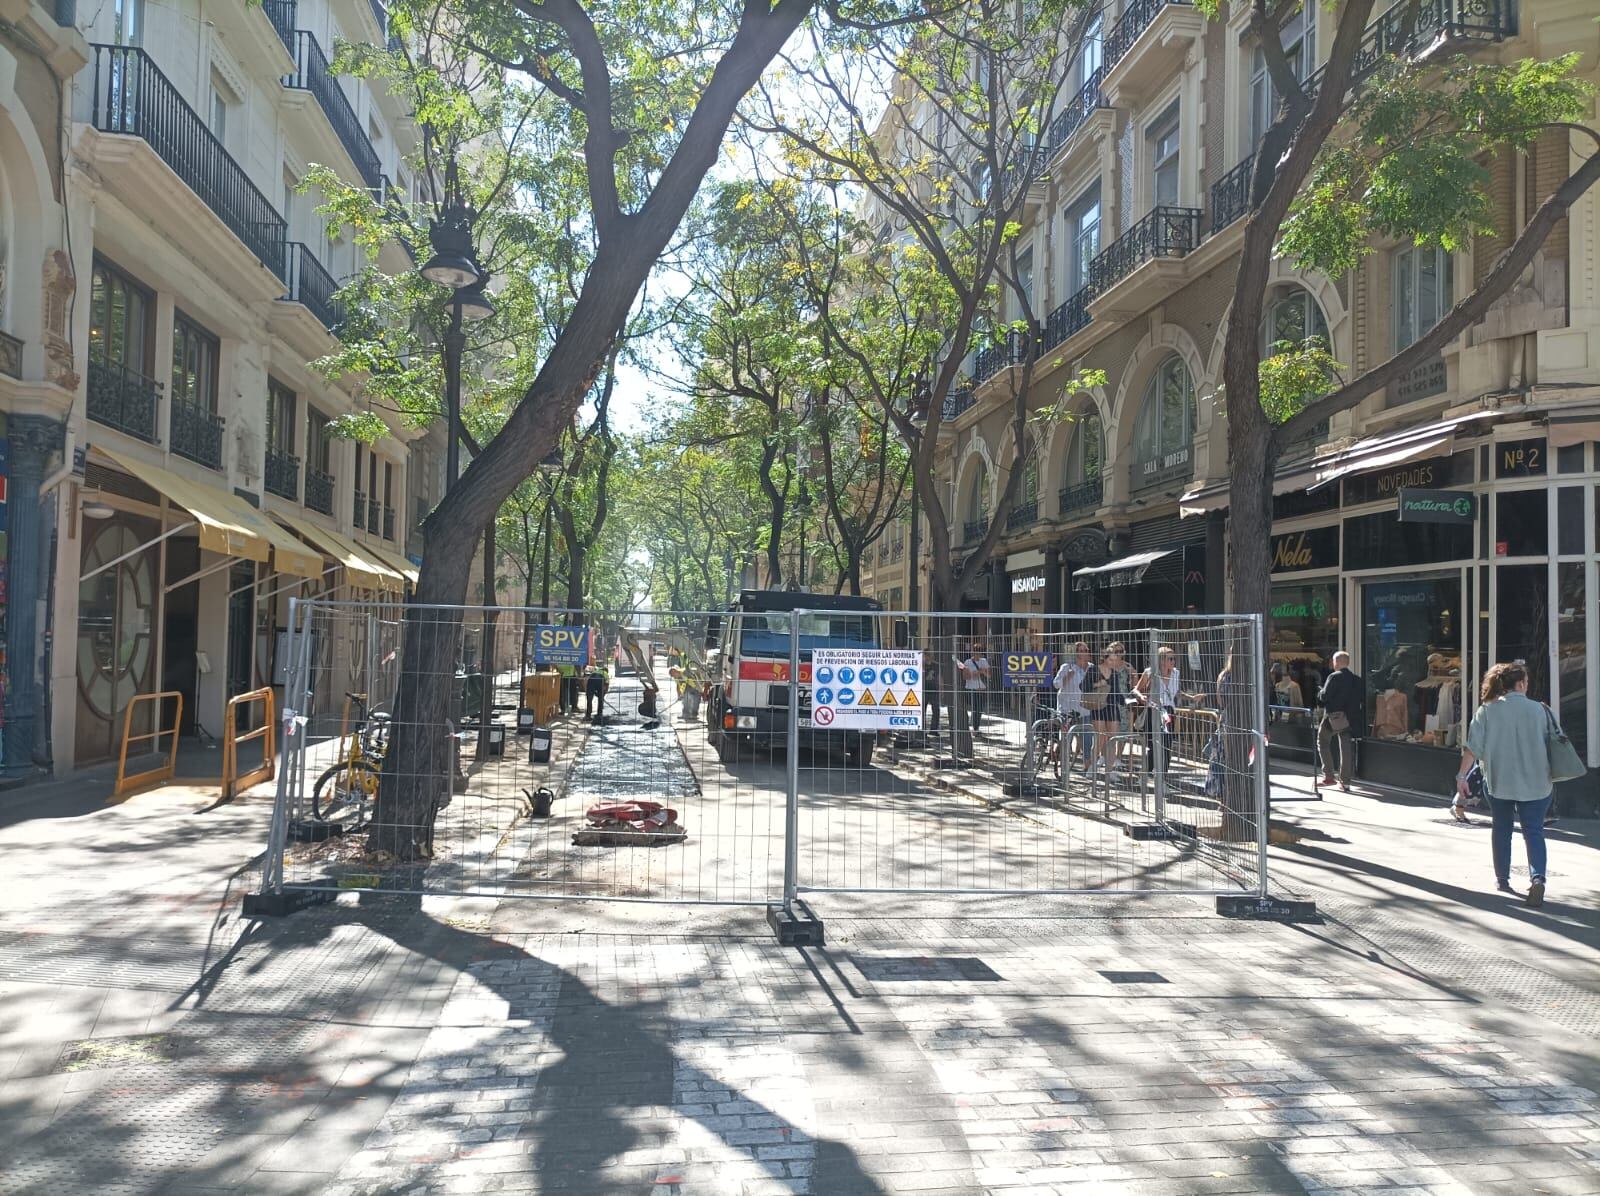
(1522, 622)
(1411, 657)
(1522, 523)
(1381, 541)
(1569, 520)
(1424, 281)
(1570, 458)
(1573, 682)
(1305, 634)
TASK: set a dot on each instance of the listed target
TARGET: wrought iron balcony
(897, 550)
(358, 516)
(388, 523)
(1165, 232)
(131, 96)
(1230, 195)
(195, 432)
(312, 74)
(283, 475)
(374, 516)
(10, 356)
(1070, 119)
(312, 285)
(1081, 496)
(957, 401)
(123, 399)
(319, 491)
(1023, 514)
(1403, 32)
(1071, 316)
(973, 529)
(1161, 470)
(1013, 350)
(281, 13)
(1136, 18)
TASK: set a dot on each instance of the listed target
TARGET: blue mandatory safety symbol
(868, 676)
(847, 697)
(823, 697)
(910, 676)
(889, 676)
(824, 677)
(846, 676)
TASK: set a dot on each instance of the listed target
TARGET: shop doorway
(116, 652)
(241, 634)
(180, 637)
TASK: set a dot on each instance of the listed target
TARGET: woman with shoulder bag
(1105, 687)
(1161, 690)
(1522, 752)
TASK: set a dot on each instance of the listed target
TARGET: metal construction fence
(754, 757)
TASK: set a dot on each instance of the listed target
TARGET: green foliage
(1295, 375)
(366, 426)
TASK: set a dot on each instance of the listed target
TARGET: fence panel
(1006, 788)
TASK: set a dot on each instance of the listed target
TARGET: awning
(395, 562)
(288, 554)
(364, 571)
(1393, 456)
(1126, 571)
(223, 527)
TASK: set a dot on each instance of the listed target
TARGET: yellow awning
(363, 570)
(396, 562)
(223, 526)
(288, 554)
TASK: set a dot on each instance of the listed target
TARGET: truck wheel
(730, 749)
(858, 752)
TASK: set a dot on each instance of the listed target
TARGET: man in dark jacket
(1344, 716)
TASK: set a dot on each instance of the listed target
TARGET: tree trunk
(776, 513)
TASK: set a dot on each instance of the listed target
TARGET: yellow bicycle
(345, 792)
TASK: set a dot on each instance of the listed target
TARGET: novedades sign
(1436, 506)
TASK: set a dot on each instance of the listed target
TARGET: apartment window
(280, 418)
(1166, 420)
(1164, 158)
(129, 17)
(1083, 237)
(372, 474)
(291, 188)
(388, 501)
(980, 182)
(1299, 39)
(1292, 315)
(194, 364)
(119, 319)
(1424, 282)
(1087, 451)
(1090, 53)
(978, 499)
(1025, 281)
(317, 447)
(222, 98)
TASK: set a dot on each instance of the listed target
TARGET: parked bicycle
(345, 792)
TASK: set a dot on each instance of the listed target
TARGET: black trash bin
(539, 746)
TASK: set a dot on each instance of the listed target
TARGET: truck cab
(749, 692)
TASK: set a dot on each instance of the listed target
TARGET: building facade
(169, 282)
(1131, 247)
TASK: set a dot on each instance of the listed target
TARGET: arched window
(1030, 482)
(1166, 420)
(1087, 449)
(1292, 315)
(977, 505)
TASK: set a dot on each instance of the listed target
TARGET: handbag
(1565, 763)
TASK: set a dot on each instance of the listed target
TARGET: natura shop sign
(1436, 506)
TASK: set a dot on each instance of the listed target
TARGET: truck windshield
(767, 634)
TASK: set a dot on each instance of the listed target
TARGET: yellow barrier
(232, 782)
(154, 776)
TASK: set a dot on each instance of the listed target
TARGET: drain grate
(892, 968)
(1135, 977)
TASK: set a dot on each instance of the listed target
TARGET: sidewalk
(1428, 1038)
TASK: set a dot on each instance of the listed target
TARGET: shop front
(1026, 584)
(1305, 632)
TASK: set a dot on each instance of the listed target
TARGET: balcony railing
(123, 399)
(10, 356)
(374, 516)
(897, 550)
(283, 475)
(1135, 20)
(1013, 350)
(973, 529)
(957, 401)
(388, 523)
(1023, 514)
(1082, 496)
(319, 490)
(1435, 21)
(1161, 470)
(281, 13)
(196, 433)
(312, 74)
(312, 285)
(1165, 232)
(1230, 195)
(358, 516)
(131, 96)
(1070, 119)
(1071, 316)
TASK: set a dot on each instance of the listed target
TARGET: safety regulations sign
(866, 689)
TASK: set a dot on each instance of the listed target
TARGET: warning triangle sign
(866, 698)
(910, 699)
(888, 698)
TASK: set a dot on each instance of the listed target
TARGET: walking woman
(1106, 687)
(1507, 740)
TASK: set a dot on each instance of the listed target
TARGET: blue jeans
(1531, 814)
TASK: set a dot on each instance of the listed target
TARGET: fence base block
(1028, 789)
(804, 930)
(1162, 830)
(281, 905)
(1267, 909)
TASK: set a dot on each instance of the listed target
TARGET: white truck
(748, 702)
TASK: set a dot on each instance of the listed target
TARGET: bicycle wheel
(343, 792)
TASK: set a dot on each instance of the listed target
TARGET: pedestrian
(1070, 705)
(596, 680)
(1343, 698)
(1160, 689)
(1106, 688)
(1286, 695)
(1507, 739)
(975, 684)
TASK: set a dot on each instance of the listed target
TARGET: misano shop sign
(1437, 506)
